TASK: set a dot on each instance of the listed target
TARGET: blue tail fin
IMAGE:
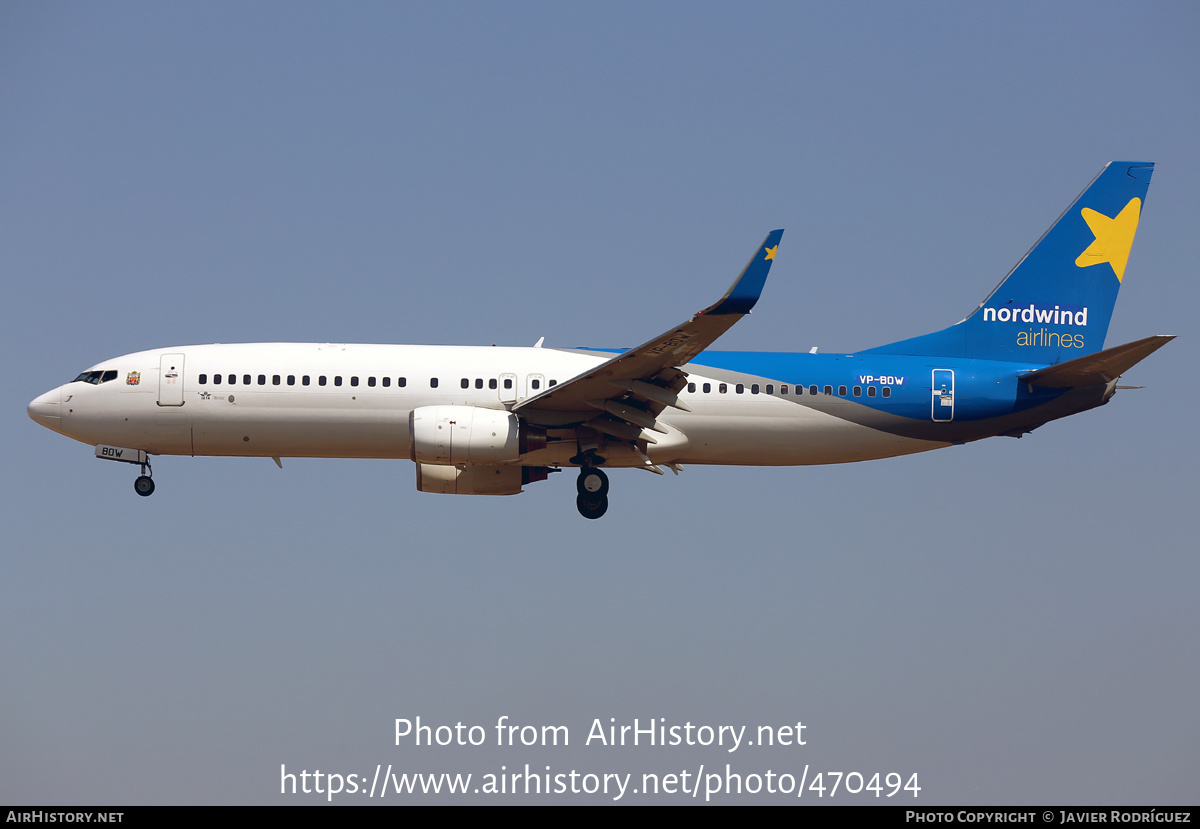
(1056, 303)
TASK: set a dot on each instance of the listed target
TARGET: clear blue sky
(1013, 620)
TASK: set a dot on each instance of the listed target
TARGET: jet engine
(470, 435)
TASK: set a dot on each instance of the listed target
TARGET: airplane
(491, 420)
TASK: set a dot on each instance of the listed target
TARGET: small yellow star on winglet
(770, 252)
(1114, 237)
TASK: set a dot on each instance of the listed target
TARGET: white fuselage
(354, 401)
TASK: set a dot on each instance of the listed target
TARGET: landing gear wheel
(144, 485)
(592, 506)
(591, 483)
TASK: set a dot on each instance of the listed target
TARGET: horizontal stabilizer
(1099, 368)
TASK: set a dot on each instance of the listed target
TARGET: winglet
(747, 288)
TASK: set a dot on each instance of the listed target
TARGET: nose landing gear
(144, 485)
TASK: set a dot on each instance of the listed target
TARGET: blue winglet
(747, 288)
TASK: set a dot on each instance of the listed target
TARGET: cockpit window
(96, 377)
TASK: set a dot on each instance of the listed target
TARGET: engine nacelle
(470, 435)
(476, 480)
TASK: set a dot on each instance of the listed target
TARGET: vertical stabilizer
(1056, 304)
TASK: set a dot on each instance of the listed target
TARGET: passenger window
(754, 388)
(291, 379)
(371, 382)
(275, 380)
(870, 391)
(858, 391)
(508, 382)
(887, 391)
(402, 382)
(770, 388)
(536, 384)
(784, 389)
(722, 388)
(387, 381)
(321, 380)
(841, 391)
(813, 390)
(552, 383)
(829, 390)
(739, 388)
(202, 379)
(433, 382)
(216, 379)
(691, 388)
(246, 379)
(707, 388)
(479, 382)
(465, 383)
(492, 383)
(337, 379)
(304, 380)
(354, 381)
(262, 379)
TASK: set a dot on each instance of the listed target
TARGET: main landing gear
(592, 485)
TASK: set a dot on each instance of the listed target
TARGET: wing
(625, 394)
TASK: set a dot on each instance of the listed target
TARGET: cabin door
(943, 394)
(170, 380)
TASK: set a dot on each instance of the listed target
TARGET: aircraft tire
(592, 483)
(144, 485)
(591, 506)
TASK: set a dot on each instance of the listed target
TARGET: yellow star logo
(1114, 237)
(770, 252)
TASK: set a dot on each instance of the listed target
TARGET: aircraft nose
(46, 409)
